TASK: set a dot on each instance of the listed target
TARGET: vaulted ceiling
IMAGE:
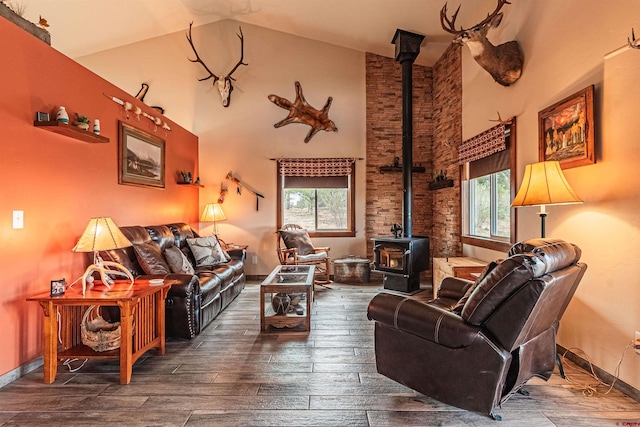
(80, 28)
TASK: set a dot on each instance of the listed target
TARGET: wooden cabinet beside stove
(463, 267)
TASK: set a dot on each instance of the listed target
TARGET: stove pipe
(407, 50)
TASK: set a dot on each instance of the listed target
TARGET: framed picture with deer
(566, 131)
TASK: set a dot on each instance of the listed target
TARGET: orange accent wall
(60, 182)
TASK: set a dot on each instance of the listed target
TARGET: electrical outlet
(636, 342)
(254, 259)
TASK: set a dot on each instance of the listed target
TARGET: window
(488, 186)
(317, 194)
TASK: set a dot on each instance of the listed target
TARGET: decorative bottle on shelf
(96, 126)
(62, 115)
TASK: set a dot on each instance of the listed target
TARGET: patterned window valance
(316, 167)
(485, 144)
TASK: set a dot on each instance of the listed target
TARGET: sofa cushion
(207, 251)
(150, 258)
(177, 261)
(297, 239)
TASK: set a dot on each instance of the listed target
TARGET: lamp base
(101, 267)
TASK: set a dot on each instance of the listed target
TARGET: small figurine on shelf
(96, 126)
(186, 177)
(62, 115)
(441, 176)
(81, 122)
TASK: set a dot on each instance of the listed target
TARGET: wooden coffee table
(292, 282)
(141, 321)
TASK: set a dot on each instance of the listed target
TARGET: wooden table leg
(159, 314)
(50, 341)
(126, 335)
(263, 326)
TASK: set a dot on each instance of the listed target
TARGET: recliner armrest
(422, 319)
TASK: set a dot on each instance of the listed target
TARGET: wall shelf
(415, 169)
(437, 185)
(71, 131)
(188, 184)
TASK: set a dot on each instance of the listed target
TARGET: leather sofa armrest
(187, 285)
(454, 287)
(423, 320)
(239, 254)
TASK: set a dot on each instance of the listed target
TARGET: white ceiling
(82, 27)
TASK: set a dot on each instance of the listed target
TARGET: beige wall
(564, 45)
(241, 138)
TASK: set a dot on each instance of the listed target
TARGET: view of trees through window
(490, 205)
(316, 208)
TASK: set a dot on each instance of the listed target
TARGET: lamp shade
(101, 234)
(544, 183)
(212, 212)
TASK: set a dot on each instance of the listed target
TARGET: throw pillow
(207, 251)
(460, 304)
(150, 258)
(498, 285)
(297, 239)
(177, 260)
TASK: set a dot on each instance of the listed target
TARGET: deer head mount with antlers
(224, 83)
(503, 62)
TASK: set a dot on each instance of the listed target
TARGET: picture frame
(141, 157)
(58, 287)
(566, 131)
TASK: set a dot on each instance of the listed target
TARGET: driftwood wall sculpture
(301, 112)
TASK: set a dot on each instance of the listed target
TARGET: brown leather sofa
(479, 342)
(197, 298)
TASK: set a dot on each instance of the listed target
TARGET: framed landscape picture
(141, 158)
(566, 131)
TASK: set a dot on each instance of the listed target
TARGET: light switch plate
(18, 219)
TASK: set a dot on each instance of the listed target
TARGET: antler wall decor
(301, 112)
(633, 42)
(503, 62)
(239, 184)
(224, 83)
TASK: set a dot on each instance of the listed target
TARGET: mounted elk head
(224, 83)
(503, 62)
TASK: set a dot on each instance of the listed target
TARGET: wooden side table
(142, 311)
(463, 267)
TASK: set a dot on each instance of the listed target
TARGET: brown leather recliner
(479, 342)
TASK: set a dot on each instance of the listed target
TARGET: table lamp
(213, 212)
(544, 184)
(102, 234)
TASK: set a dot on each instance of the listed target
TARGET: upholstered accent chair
(294, 247)
(479, 342)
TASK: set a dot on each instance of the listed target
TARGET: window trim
(351, 207)
(491, 243)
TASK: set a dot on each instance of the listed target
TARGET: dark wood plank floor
(232, 375)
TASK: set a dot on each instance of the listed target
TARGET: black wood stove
(401, 258)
